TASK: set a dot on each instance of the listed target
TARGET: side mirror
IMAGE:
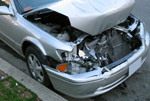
(5, 11)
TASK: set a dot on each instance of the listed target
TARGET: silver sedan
(82, 48)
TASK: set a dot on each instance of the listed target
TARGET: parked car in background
(82, 48)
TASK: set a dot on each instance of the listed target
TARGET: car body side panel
(16, 29)
(48, 43)
(10, 26)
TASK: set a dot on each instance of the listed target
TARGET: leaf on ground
(6, 84)
(26, 95)
(2, 74)
(38, 99)
(1, 93)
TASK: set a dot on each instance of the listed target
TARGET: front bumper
(91, 84)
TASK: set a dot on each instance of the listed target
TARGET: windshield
(27, 5)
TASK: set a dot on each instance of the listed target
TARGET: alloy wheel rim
(35, 68)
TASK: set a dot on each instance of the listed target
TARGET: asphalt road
(138, 86)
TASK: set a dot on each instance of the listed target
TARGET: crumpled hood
(94, 16)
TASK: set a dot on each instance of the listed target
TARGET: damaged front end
(104, 51)
(99, 61)
(89, 52)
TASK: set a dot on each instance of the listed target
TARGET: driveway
(138, 86)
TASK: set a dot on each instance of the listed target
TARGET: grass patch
(11, 90)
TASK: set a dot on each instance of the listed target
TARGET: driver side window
(4, 3)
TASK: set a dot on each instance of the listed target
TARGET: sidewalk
(43, 93)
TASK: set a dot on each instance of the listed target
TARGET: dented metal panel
(94, 16)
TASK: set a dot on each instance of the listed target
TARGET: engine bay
(90, 52)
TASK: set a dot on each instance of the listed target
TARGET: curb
(42, 92)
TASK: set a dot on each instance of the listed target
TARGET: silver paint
(94, 16)
(15, 30)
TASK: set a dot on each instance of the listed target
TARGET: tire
(34, 60)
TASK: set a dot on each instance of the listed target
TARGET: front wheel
(35, 59)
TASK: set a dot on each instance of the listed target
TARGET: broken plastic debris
(81, 53)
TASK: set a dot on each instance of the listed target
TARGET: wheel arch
(30, 41)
